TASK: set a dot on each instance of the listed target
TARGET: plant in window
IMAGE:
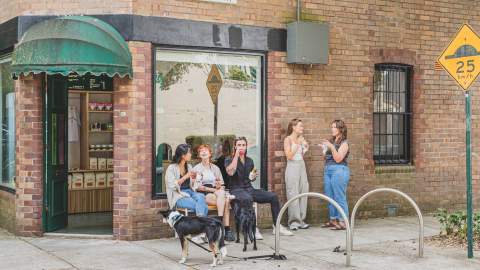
(236, 73)
(174, 74)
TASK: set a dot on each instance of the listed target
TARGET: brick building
(405, 118)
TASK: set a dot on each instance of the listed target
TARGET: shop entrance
(78, 138)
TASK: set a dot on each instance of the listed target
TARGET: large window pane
(7, 116)
(189, 110)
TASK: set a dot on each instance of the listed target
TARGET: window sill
(160, 196)
(7, 189)
(388, 169)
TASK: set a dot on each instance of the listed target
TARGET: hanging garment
(73, 124)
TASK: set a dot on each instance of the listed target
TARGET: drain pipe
(298, 10)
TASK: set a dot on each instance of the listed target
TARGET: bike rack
(321, 196)
(391, 190)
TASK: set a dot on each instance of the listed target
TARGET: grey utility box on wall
(307, 43)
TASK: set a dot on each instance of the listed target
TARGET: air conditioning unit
(307, 43)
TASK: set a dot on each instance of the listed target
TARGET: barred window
(391, 116)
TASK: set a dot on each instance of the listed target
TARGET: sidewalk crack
(48, 252)
(163, 255)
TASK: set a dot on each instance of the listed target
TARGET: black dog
(245, 221)
(190, 226)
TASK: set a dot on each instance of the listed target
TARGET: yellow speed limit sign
(461, 59)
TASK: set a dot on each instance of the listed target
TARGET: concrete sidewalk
(379, 244)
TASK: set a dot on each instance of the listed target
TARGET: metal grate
(391, 117)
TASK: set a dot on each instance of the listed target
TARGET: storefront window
(205, 97)
(7, 116)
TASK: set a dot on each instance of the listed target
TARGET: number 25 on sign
(461, 58)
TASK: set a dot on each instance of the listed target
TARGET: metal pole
(298, 10)
(398, 192)
(469, 175)
(321, 196)
(215, 122)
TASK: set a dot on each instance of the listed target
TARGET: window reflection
(204, 97)
(7, 116)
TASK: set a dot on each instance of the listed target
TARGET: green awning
(72, 44)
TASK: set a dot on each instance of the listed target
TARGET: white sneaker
(258, 235)
(304, 226)
(283, 231)
(293, 227)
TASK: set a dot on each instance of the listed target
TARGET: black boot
(229, 236)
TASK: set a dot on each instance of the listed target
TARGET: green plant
(476, 225)
(237, 74)
(455, 224)
(442, 217)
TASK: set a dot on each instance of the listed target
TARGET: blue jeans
(335, 181)
(196, 202)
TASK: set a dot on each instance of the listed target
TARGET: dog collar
(176, 218)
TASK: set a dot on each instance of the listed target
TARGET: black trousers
(259, 196)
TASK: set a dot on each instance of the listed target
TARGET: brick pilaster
(29, 156)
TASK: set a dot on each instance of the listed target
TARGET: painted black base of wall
(167, 31)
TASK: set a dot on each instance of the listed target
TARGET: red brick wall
(362, 35)
(250, 12)
(29, 156)
(134, 215)
(11, 9)
(273, 13)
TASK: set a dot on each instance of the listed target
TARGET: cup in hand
(253, 174)
(324, 148)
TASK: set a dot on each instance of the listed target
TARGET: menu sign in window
(90, 82)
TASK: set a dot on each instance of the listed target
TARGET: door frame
(47, 153)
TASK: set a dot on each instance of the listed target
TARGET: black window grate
(391, 116)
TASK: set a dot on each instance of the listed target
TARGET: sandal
(328, 225)
(338, 228)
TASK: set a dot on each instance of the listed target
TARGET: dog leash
(209, 251)
(279, 257)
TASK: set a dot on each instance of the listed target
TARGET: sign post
(461, 59)
(469, 175)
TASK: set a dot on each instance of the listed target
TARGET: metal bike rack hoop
(321, 196)
(398, 192)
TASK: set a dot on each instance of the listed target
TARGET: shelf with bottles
(106, 112)
(101, 127)
(87, 171)
(100, 148)
(100, 107)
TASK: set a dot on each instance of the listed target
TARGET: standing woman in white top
(296, 180)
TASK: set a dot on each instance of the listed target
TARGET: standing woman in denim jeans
(337, 173)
